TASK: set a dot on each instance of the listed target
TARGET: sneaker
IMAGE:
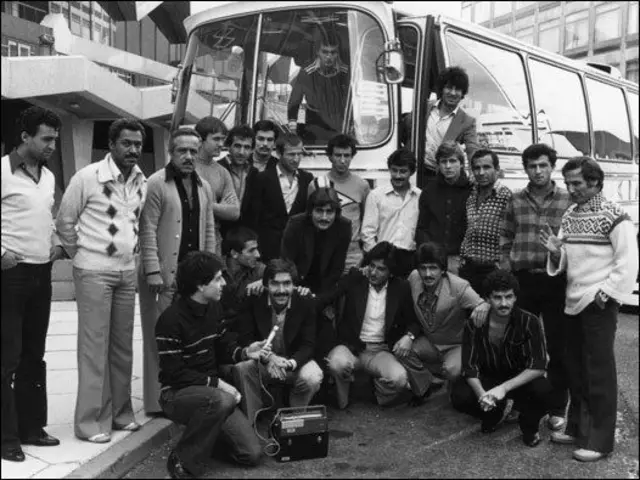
(99, 438)
(562, 438)
(584, 455)
(556, 422)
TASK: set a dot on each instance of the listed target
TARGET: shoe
(531, 440)
(562, 438)
(416, 401)
(41, 439)
(555, 422)
(13, 454)
(490, 425)
(132, 427)
(99, 438)
(584, 455)
(513, 417)
(175, 467)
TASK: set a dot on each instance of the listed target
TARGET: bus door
(424, 59)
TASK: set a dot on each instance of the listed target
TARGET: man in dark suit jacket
(446, 121)
(376, 332)
(280, 193)
(290, 361)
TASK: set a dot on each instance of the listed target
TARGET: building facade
(600, 32)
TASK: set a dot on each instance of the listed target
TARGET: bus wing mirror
(391, 62)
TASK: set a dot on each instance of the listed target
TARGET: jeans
(210, 415)
(106, 302)
(26, 305)
(591, 365)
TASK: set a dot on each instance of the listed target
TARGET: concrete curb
(116, 461)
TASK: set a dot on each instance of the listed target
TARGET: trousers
(26, 306)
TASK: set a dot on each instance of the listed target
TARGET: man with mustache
(480, 248)
(266, 136)
(226, 207)
(597, 247)
(177, 219)
(541, 202)
(291, 359)
(505, 358)
(29, 248)
(391, 212)
(98, 226)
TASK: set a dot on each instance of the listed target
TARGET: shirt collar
(16, 160)
(281, 173)
(494, 189)
(109, 172)
(413, 190)
(551, 193)
(453, 113)
(196, 308)
(171, 173)
(285, 308)
(383, 290)
(594, 204)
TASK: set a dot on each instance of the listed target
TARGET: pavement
(75, 458)
(365, 440)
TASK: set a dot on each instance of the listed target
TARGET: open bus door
(424, 59)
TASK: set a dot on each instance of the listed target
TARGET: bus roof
(240, 8)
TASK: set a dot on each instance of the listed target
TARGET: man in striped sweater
(596, 246)
(191, 347)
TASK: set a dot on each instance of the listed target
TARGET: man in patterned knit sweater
(597, 248)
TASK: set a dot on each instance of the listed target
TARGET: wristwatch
(411, 336)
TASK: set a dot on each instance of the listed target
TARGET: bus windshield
(315, 73)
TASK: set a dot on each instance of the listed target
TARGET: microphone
(271, 336)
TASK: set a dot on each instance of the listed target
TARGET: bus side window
(498, 97)
(610, 121)
(562, 114)
(633, 103)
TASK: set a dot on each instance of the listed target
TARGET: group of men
(420, 288)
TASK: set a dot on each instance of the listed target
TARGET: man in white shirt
(28, 251)
(377, 334)
(98, 225)
(391, 212)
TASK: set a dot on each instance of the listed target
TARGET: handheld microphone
(271, 336)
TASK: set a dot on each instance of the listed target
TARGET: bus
(243, 59)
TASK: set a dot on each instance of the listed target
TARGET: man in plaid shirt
(540, 203)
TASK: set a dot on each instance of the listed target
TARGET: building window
(525, 35)
(466, 12)
(24, 11)
(549, 36)
(632, 71)
(483, 12)
(632, 18)
(501, 8)
(105, 35)
(86, 29)
(576, 33)
(75, 5)
(75, 24)
(521, 5)
(11, 48)
(607, 22)
(55, 8)
(505, 29)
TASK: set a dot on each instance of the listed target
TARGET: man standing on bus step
(280, 193)
(266, 133)
(391, 212)
(446, 121)
(442, 218)
(29, 248)
(98, 227)
(540, 203)
(226, 206)
(597, 248)
(352, 191)
(480, 249)
(177, 218)
(325, 85)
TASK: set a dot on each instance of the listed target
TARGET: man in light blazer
(446, 121)
(177, 219)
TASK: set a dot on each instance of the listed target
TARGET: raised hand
(549, 241)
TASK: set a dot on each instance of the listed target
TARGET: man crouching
(191, 347)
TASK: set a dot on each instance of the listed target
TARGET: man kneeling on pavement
(191, 347)
(504, 358)
(375, 332)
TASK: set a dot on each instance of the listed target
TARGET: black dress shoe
(41, 439)
(531, 439)
(13, 454)
(175, 467)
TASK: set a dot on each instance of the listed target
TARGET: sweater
(27, 222)
(599, 252)
(98, 217)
